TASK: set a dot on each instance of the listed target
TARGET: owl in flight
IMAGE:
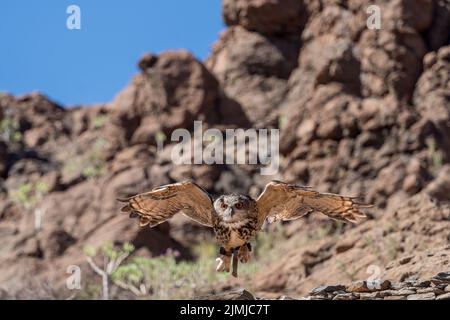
(236, 218)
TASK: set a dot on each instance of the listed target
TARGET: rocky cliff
(361, 112)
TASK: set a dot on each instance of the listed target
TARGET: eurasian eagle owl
(236, 218)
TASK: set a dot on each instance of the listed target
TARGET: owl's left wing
(162, 203)
(282, 201)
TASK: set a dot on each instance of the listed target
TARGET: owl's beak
(228, 214)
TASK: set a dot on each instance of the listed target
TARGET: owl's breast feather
(228, 237)
(235, 240)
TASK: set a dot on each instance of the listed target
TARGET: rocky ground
(361, 112)
(436, 288)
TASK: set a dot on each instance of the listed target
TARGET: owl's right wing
(162, 203)
(282, 201)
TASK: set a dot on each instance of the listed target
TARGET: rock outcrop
(361, 112)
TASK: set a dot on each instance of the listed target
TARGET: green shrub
(29, 194)
(160, 136)
(95, 164)
(89, 165)
(99, 121)
(9, 131)
(165, 278)
(436, 159)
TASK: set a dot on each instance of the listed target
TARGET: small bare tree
(112, 259)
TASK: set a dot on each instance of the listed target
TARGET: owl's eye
(223, 206)
(238, 205)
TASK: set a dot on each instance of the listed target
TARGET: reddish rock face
(361, 112)
(266, 16)
(173, 90)
(253, 70)
(3, 157)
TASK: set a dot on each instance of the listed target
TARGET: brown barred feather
(162, 203)
(281, 201)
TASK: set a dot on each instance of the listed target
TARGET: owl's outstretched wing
(162, 203)
(282, 201)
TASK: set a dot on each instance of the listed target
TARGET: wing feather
(281, 201)
(162, 203)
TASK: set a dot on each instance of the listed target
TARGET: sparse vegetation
(90, 292)
(95, 163)
(348, 271)
(435, 156)
(29, 194)
(70, 167)
(393, 226)
(9, 131)
(99, 121)
(266, 242)
(94, 170)
(161, 277)
(392, 248)
(160, 136)
(324, 229)
(89, 165)
(164, 278)
(282, 121)
(385, 248)
(112, 260)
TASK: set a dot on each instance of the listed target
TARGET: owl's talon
(244, 254)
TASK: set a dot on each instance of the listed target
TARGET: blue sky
(91, 65)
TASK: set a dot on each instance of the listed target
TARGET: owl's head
(233, 207)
